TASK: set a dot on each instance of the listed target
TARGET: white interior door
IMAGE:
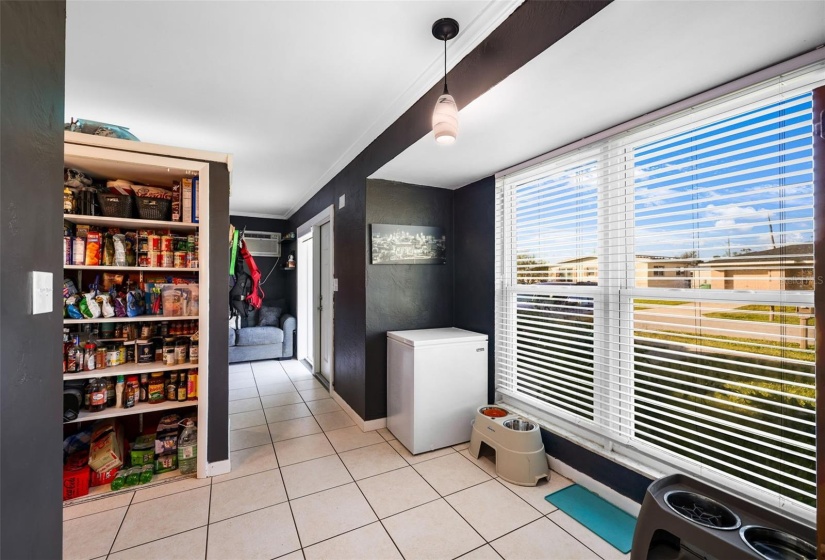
(306, 298)
(325, 302)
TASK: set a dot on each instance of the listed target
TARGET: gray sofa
(249, 340)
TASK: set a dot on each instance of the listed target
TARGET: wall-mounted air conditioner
(263, 243)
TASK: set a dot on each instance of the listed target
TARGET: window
(705, 359)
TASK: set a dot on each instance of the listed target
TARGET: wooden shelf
(129, 223)
(104, 490)
(129, 268)
(138, 319)
(139, 408)
(127, 369)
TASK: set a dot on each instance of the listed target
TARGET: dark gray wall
(281, 283)
(218, 448)
(404, 296)
(32, 55)
(475, 290)
(532, 28)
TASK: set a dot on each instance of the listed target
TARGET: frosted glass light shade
(445, 120)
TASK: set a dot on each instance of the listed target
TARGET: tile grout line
(208, 523)
(120, 526)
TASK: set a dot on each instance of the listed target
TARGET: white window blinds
(657, 286)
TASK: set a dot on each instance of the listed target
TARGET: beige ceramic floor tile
(334, 420)
(447, 535)
(461, 446)
(241, 381)
(241, 394)
(372, 460)
(314, 394)
(300, 375)
(280, 399)
(538, 540)
(249, 419)
(271, 377)
(304, 448)
(396, 491)
(96, 506)
(77, 543)
(259, 535)
(190, 545)
(264, 366)
(275, 388)
(534, 495)
(294, 367)
(163, 517)
(286, 412)
(298, 427)
(323, 406)
(451, 473)
(245, 405)
(367, 543)
(246, 494)
(346, 439)
(242, 367)
(485, 552)
(297, 555)
(586, 536)
(306, 384)
(492, 509)
(483, 462)
(330, 513)
(249, 461)
(386, 434)
(250, 437)
(169, 488)
(421, 457)
(314, 476)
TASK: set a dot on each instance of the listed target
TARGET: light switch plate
(42, 290)
(334, 284)
(342, 201)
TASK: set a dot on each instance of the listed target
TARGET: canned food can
(193, 263)
(153, 242)
(155, 258)
(179, 259)
(144, 260)
(167, 259)
(112, 357)
(143, 244)
(166, 243)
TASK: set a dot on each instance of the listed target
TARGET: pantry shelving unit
(107, 158)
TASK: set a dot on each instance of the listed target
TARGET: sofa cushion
(269, 316)
(231, 336)
(252, 336)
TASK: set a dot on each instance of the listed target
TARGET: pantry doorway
(315, 281)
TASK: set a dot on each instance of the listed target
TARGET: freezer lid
(431, 337)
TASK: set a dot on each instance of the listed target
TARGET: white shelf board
(138, 319)
(129, 268)
(139, 408)
(104, 490)
(127, 369)
(133, 223)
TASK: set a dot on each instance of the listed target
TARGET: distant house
(651, 271)
(789, 267)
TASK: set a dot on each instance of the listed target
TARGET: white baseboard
(618, 500)
(218, 468)
(365, 425)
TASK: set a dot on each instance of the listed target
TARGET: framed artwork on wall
(397, 244)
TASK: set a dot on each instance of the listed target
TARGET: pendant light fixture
(445, 114)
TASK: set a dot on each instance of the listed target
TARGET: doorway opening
(315, 309)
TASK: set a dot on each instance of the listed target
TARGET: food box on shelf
(166, 463)
(180, 300)
(106, 451)
(105, 477)
(76, 475)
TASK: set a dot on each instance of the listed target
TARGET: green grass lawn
(642, 304)
(769, 348)
(761, 313)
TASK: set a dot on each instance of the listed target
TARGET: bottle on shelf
(182, 387)
(121, 385)
(90, 350)
(97, 396)
(111, 392)
(75, 356)
(188, 448)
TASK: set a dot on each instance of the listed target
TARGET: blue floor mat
(603, 518)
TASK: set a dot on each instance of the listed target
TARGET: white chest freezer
(436, 380)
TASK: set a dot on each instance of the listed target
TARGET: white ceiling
(631, 58)
(294, 89)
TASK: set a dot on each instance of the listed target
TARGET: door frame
(308, 228)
